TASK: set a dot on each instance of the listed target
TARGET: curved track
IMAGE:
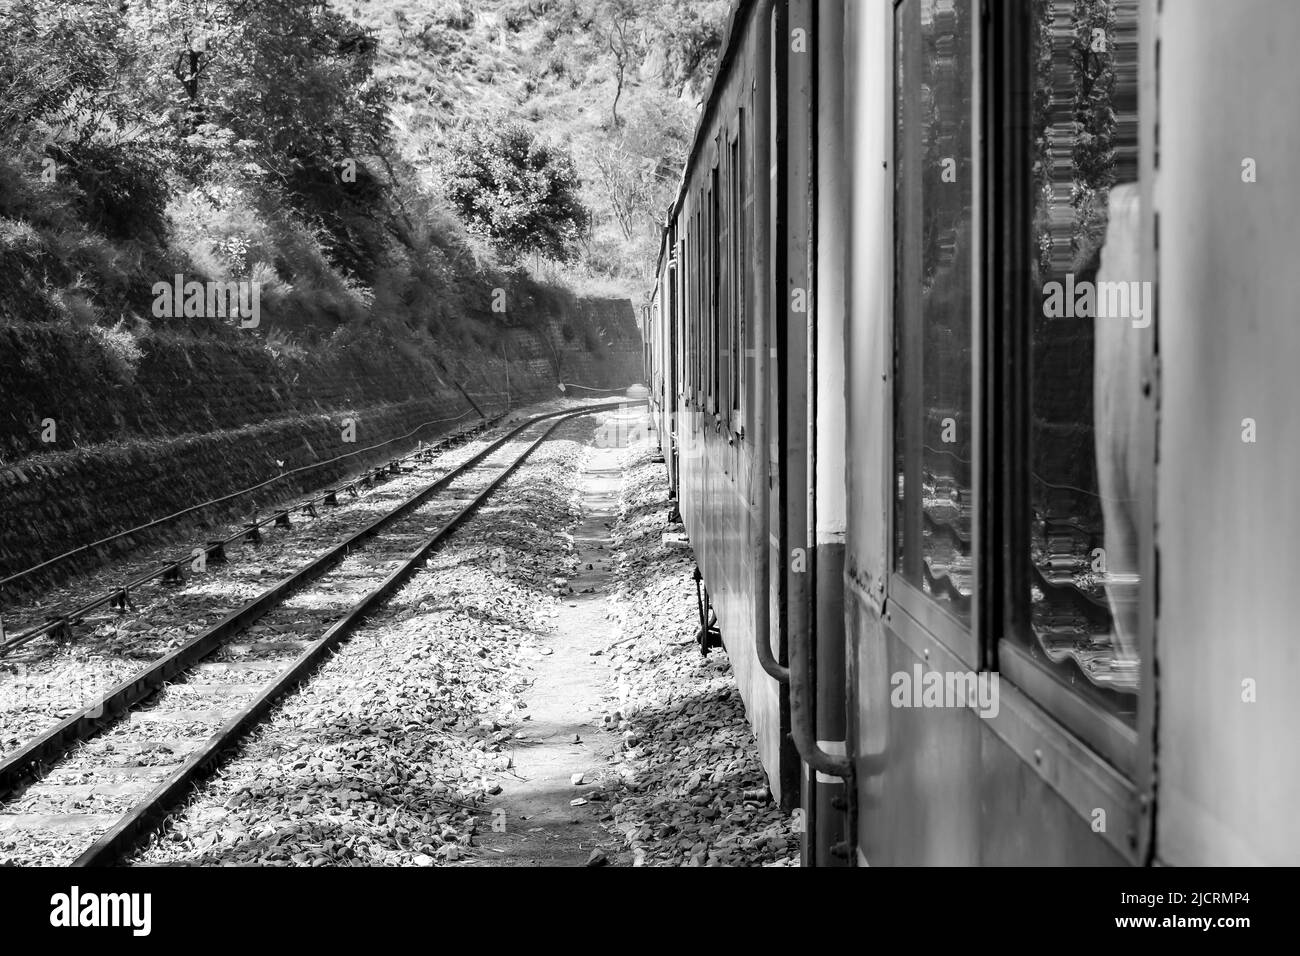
(176, 718)
(62, 624)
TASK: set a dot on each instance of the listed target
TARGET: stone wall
(204, 417)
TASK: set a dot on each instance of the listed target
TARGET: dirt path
(535, 822)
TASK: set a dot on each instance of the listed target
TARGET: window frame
(739, 221)
(680, 318)
(716, 280)
(1011, 295)
(1001, 234)
(965, 641)
(713, 284)
(688, 312)
(697, 304)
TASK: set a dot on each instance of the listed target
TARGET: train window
(706, 301)
(697, 299)
(683, 268)
(686, 310)
(701, 302)
(692, 281)
(1085, 388)
(934, 299)
(688, 338)
(726, 278)
(737, 270)
(722, 246)
(715, 289)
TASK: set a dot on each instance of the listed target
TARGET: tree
(690, 32)
(297, 88)
(627, 186)
(639, 171)
(617, 27)
(517, 191)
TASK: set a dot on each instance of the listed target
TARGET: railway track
(86, 801)
(64, 624)
(47, 680)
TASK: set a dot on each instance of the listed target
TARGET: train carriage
(969, 354)
(711, 397)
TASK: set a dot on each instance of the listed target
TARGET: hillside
(554, 65)
(291, 151)
(303, 147)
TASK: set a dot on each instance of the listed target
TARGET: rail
(154, 808)
(222, 500)
(58, 741)
(121, 595)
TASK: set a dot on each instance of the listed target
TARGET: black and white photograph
(640, 434)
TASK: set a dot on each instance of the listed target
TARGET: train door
(1002, 639)
(672, 333)
(769, 331)
(811, 433)
(828, 799)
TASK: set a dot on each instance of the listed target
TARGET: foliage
(516, 190)
(123, 184)
(309, 145)
(223, 137)
(284, 348)
(121, 351)
(618, 82)
(617, 27)
(1075, 103)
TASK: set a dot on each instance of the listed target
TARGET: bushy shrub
(124, 186)
(517, 191)
(122, 353)
(283, 347)
(456, 14)
(74, 307)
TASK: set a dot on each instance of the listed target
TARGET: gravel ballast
(386, 755)
(47, 680)
(401, 749)
(693, 791)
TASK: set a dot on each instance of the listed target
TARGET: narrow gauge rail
(120, 597)
(241, 692)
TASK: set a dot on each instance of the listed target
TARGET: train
(970, 355)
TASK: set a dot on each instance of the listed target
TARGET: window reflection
(934, 177)
(1086, 385)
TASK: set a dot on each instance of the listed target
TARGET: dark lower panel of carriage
(938, 786)
(719, 503)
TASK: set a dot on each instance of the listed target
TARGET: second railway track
(78, 802)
